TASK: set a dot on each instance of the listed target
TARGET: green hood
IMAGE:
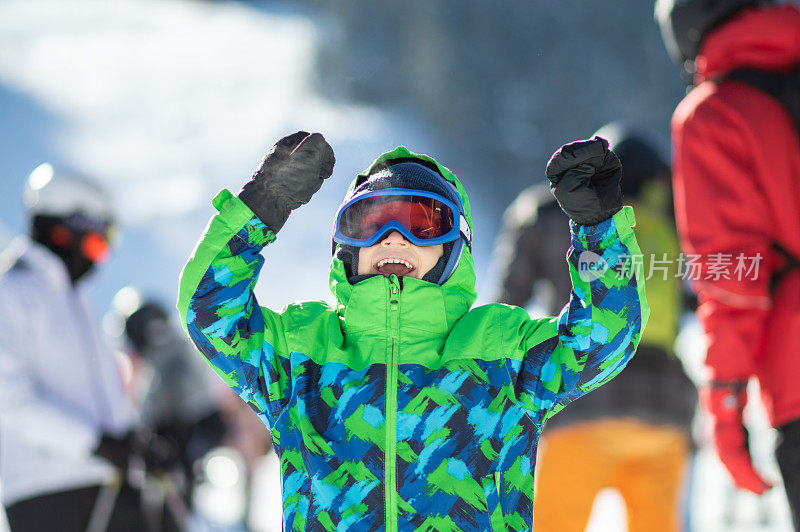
(454, 297)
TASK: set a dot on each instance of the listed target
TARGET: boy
(401, 408)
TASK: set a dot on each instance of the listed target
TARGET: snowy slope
(168, 102)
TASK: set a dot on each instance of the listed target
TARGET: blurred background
(168, 101)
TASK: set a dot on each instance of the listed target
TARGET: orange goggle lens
(94, 247)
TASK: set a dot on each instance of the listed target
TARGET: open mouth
(394, 265)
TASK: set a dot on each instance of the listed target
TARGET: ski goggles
(93, 246)
(423, 218)
(91, 236)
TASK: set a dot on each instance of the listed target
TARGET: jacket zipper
(390, 470)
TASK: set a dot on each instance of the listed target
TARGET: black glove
(116, 450)
(159, 452)
(289, 175)
(584, 177)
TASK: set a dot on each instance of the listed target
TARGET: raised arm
(243, 342)
(597, 332)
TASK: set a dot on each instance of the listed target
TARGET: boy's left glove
(289, 175)
(584, 177)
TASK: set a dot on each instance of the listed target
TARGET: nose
(394, 238)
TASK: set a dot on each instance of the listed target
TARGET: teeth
(395, 261)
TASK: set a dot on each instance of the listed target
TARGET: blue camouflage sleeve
(598, 330)
(243, 342)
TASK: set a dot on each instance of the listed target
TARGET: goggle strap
(465, 231)
(455, 257)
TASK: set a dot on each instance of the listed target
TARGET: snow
(167, 102)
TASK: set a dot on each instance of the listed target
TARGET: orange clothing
(646, 463)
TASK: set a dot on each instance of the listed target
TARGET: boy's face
(396, 255)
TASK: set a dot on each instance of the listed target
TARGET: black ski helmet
(144, 322)
(640, 153)
(684, 24)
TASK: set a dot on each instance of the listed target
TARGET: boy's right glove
(724, 403)
(289, 175)
(584, 177)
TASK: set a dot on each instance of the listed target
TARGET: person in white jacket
(65, 419)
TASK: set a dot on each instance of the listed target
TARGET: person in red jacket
(737, 201)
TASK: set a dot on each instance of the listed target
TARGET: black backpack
(784, 87)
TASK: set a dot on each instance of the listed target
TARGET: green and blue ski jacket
(403, 408)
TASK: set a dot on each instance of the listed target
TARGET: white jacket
(60, 385)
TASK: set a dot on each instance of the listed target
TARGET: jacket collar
(426, 310)
(761, 37)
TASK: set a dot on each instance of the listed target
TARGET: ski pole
(104, 504)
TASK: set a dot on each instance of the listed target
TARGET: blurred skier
(65, 422)
(737, 198)
(632, 434)
(187, 407)
(177, 399)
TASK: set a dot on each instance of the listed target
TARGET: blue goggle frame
(460, 225)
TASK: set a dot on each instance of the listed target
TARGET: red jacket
(737, 191)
